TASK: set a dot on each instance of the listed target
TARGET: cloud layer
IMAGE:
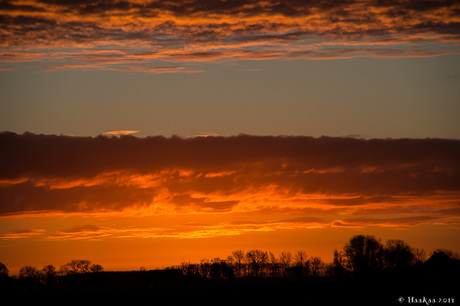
(292, 181)
(163, 36)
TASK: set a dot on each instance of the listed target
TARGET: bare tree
(189, 269)
(219, 269)
(317, 266)
(285, 261)
(205, 268)
(29, 273)
(338, 264)
(300, 257)
(49, 274)
(398, 254)
(302, 262)
(419, 256)
(274, 265)
(239, 260)
(256, 260)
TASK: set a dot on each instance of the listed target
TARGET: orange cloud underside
(175, 205)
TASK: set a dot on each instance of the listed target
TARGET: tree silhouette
(219, 269)
(302, 262)
(239, 258)
(361, 257)
(285, 261)
(49, 274)
(420, 256)
(398, 255)
(79, 266)
(274, 267)
(256, 260)
(338, 264)
(317, 266)
(300, 257)
(94, 268)
(190, 269)
(364, 254)
(205, 268)
(3, 269)
(29, 273)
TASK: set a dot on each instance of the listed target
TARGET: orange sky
(126, 202)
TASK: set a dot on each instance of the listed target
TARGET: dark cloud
(327, 14)
(239, 7)
(6, 5)
(64, 173)
(27, 197)
(62, 156)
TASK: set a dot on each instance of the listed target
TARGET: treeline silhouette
(362, 255)
(364, 263)
(49, 274)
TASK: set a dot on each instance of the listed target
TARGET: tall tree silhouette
(285, 261)
(49, 274)
(274, 268)
(256, 260)
(398, 255)
(338, 264)
(364, 254)
(302, 262)
(239, 260)
(316, 266)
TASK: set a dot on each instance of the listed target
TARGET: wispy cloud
(24, 234)
(190, 230)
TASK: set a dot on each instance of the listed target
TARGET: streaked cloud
(24, 234)
(282, 182)
(137, 36)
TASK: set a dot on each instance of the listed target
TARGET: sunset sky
(105, 105)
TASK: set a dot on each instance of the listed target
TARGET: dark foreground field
(171, 287)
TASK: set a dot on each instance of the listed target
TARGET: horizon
(277, 257)
(288, 258)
